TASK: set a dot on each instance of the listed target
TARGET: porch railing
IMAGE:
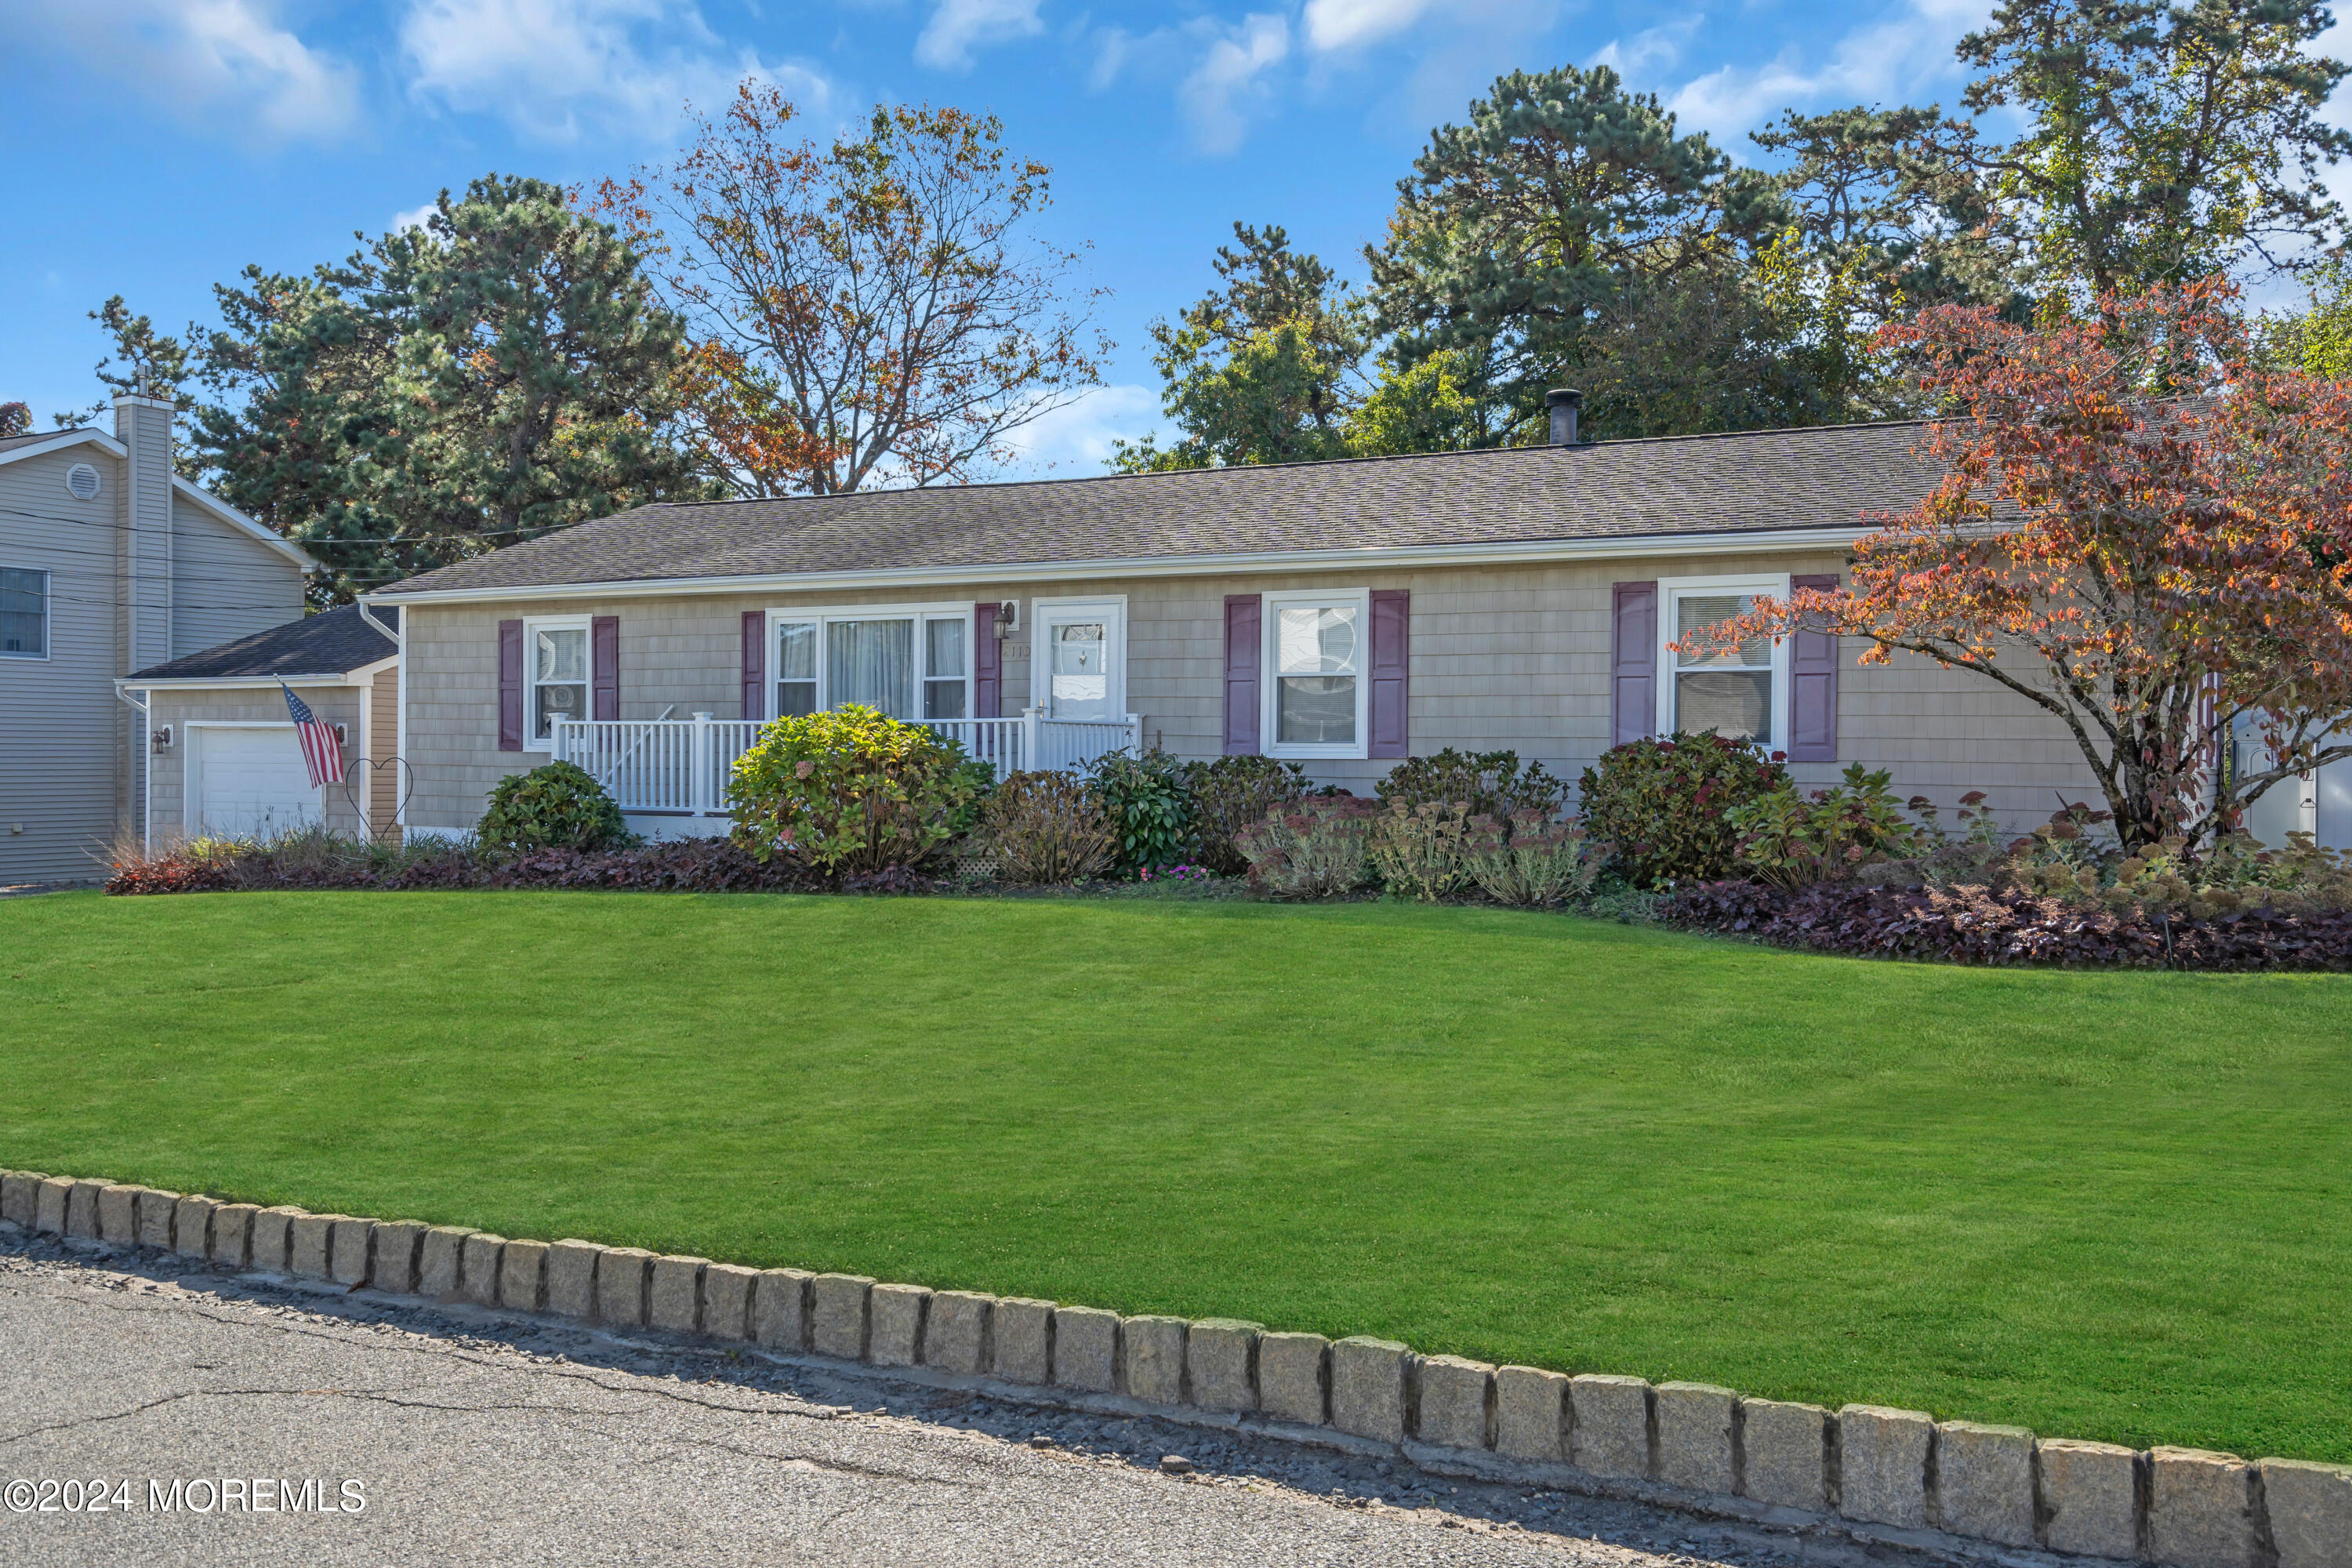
(680, 766)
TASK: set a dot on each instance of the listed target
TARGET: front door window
(1080, 678)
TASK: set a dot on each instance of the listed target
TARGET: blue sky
(156, 146)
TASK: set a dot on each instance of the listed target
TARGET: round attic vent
(83, 479)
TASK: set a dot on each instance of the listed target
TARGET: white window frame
(48, 614)
(1109, 609)
(1270, 673)
(1670, 590)
(957, 610)
(532, 628)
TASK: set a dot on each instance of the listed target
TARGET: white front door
(251, 781)
(1080, 659)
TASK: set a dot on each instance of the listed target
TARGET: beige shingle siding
(385, 781)
(1509, 658)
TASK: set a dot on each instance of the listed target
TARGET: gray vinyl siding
(64, 736)
(167, 803)
(1502, 657)
(226, 582)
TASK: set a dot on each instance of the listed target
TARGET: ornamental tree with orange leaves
(873, 309)
(2141, 530)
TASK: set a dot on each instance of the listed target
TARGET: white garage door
(253, 781)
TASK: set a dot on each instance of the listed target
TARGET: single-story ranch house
(1343, 613)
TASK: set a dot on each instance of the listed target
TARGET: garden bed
(1980, 925)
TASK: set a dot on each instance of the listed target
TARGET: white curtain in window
(1728, 690)
(871, 662)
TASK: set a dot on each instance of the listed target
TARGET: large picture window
(555, 673)
(1316, 653)
(23, 613)
(910, 664)
(1740, 691)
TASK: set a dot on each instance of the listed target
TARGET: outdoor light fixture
(162, 737)
(1008, 617)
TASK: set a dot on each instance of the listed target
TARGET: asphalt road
(440, 1436)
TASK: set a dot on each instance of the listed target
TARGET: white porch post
(702, 763)
(1032, 758)
(1135, 733)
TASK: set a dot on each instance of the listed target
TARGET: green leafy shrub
(1048, 829)
(1313, 848)
(1421, 852)
(554, 806)
(1794, 838)
(849, 791)
(1149, 802)
(977, 775)
(1531, 859)
(2235, 874)
(1232, 794)
(1489, 784)
(1663, 806)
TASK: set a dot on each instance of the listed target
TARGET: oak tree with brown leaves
(877, 307)
(2141, 530)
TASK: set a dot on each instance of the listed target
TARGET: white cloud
(959, 26)
(1218, 95)
(1651, 50)
(415, 217)
(1345, 24)
(1907, 54)
(1075, 438)
(227, 63)
(554, 68)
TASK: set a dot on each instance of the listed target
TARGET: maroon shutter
(1392, 673)
(1813, 687)
(509, 685)
(1632, 662)
(987, 665)
(755, 664)
(604, 665)
(1243, 648)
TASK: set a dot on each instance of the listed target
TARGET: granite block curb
(1870, 1473)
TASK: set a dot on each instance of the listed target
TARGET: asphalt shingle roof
(1828, 477)
(335, 642)
(8, 443)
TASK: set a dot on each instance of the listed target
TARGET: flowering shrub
(1793, 838)
(1048, 828)
(685, 864)
(1663, 806)
(1312, 848)
(1420, 851)
(1149, 802)
(557, 805)
(1177, 873)
(1529, 859)
(1489, 784)
(849, 790)
(1232, 794)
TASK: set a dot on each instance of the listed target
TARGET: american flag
(321, 753)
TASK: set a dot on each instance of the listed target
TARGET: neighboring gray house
(1342, 613)
(108, 562)
(224, 759)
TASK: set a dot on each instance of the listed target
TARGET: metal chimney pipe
(1564, 403)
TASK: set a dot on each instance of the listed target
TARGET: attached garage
(248, 780)
(223, 760)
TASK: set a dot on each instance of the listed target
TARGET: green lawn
(2101, 1205)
